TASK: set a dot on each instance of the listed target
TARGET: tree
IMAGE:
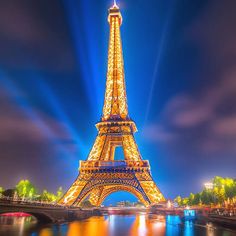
(185, 201)
(234, 189)
(191, 199)
(1, 191)
(219, 192)
(223, 189)
(9, 192)
(25, 189)
(59, 193)
(197, 199)
(229, 187)
(207, 197)
(178, 200)
(48, 197)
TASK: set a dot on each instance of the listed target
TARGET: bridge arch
(40, 216)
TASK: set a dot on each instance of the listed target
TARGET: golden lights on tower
(115, 102)
(100, 175)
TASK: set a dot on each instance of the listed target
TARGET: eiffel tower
(101, 175)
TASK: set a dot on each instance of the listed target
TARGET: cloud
(214, 30)
(32, 37)
(20, 24)
(31, 145)
(184, 111)
(17, 127)
(30, 126)
(207, 118)
(225, 127)
(157, 133)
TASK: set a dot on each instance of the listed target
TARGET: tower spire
(115, 103)
(115, 4)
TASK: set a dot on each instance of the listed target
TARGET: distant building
(138, 204)
(121, 204)
(129, 204)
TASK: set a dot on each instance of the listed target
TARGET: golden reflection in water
(22, 224)
(145, 225)
(210, 229)
(46, 232)
(9, 224)
(93, 226)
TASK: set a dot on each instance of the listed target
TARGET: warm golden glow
(144, 225)
(95, 226)
(46, 232)
(115, 103)
(101, 175)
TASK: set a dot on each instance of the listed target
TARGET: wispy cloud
(16, 125)
(207, 111)
(31, 36)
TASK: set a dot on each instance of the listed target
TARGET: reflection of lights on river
(118, 225)
(172, 225)
(74, 228)
(158, 225)
(141, 224)
(148, 225)
(46, 232)
(95, 225)
(17, 222)
(111, 220)
(155, 225)
(22, 224)
(210, 229)
(138, 226)
(188, 228)
(174, 220)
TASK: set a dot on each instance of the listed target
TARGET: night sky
(180, 66)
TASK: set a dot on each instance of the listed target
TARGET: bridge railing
(19, 201)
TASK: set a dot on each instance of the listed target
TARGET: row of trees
(25, 190)
(222, 191)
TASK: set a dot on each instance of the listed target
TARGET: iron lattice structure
(101, 175)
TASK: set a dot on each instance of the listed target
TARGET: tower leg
(95, 196)
(149, 187)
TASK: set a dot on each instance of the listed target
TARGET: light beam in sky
(158, 60)
(14, 91)
(55, 106)
(86, 50)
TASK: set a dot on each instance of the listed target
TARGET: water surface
(112, 225)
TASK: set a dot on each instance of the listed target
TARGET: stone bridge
(48, 213)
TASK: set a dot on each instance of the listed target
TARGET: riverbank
(225, 221)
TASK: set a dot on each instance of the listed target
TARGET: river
(111, 225)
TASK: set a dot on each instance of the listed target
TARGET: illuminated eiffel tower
(101, 175)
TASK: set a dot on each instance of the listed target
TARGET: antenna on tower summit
(115, 4)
